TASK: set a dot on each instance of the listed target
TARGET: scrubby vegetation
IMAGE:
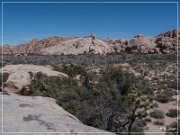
(71, 70)
(101, 94)
(164, 96)
(110, 100)
(159, 122)
(87, 59)
(173, 113)
(158, 114)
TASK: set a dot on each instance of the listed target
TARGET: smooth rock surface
(41, 114)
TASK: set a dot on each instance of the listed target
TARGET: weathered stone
(17, 81)
(93, 45)
(20, 77)
(41, 114)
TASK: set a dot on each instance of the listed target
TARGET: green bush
(138, 127)
(95, 104)
(162, 98)
(156, 105)
(70, 69)
(158, 122)
(156, 113)
(147, 119)
(165, 96)
(140, 123)
(137, 131)
(173, 113)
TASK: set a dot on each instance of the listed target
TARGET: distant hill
(164, 43)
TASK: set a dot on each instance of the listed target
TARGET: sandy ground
(168, 120)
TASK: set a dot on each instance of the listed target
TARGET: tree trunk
(130, 126)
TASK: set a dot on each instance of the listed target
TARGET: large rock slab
(20, 76)
(41, 114)
(32, 68)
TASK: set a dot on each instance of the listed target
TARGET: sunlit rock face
(20, 76)
(40, 114)
(163, 43)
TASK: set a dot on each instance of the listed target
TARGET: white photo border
(105, 132)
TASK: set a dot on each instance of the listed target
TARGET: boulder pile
(164, 43)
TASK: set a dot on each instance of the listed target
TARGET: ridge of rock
(163, 43)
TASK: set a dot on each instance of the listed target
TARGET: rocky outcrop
(34, 46)
(21, 75)
(48, 70)
(163, 43)
(142, 44)
(167, 41)
(17, 81)
(87, 45)
(118, 45)
(166, 45)
(40, 114)
(171, 34)
(7, 49)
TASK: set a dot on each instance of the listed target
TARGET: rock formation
(79, 46)
(21, 75)
(163, 43)
(167, 42)
(40, 114)
(17, 81)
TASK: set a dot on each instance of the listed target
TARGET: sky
(24, 21)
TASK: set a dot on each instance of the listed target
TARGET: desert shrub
(95, 104)
(173, 113)
(44, 85)
(161, 84)
(156, 113)
(138, 127)
(70, 69)
(158, 122)
(118, 79)
(173, 128)
(87, 59)
(172, 82)
(140, 123)
(138, 130)
(164, 97)
(156, 105)
(147, 119)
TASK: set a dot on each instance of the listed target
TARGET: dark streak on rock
(24, 105)
(31, 117)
